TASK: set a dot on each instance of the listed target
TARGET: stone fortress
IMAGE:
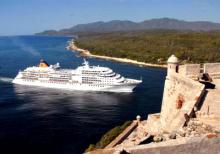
(189, 121)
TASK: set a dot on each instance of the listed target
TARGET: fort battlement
(195, 71)
(189, 90)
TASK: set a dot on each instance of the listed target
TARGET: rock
(197, 135)
(200, 130)
(188, 130)
(178, 136)
(193, 127)
(166, 137)
(187, 135)
(204, 126)
(172, 135)
(193, 134)
(182, 133)
(190, 122)
(134, 134)
(208, 128)
(158, 138)
(211, 135)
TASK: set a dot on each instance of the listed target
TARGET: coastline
(87, 53)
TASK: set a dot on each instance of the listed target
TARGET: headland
(189, 121)
(86, 53)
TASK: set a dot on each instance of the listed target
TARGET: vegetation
(154, 46)
(108, 137)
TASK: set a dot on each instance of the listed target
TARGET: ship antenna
(85, 63)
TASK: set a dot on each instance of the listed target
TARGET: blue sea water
(40, 120)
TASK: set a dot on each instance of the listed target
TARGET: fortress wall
(216, 80)
(182, 70)
(179, 146)
(212, 68)
(180, 96)
(153, 125)
(190, 70)
(211, 104)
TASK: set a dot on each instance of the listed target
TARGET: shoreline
(87, 53)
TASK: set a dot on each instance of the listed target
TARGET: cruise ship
(84, 78)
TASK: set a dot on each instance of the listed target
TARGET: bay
(41, 120)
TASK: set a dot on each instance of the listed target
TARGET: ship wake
(6, 79)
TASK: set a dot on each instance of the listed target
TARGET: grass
(108, 137)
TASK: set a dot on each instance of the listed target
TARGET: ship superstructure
(85, 77)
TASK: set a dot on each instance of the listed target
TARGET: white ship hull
(83, 78)
(78, 86)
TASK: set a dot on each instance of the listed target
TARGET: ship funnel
(43, 64)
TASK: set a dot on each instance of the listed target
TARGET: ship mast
(85, 63)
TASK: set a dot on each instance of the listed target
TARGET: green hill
(154, 46)
(123, 25)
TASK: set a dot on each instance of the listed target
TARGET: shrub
(108, 137)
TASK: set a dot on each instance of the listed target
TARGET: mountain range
(124, 25)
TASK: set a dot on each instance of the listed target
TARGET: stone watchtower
(172, 65)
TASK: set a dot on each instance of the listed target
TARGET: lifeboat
(43, 64)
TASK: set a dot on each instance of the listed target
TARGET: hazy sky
(30, 16)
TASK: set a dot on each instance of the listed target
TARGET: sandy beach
(87, 53)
